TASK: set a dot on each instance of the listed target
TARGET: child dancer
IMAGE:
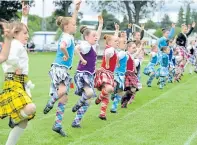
(14, 101)
(182, 41)
(84, 77)
(120, 74)
(179, 64)
(59, 69)
(131, 80)
(104, 77)
(162, 72)
(171, 62)
(150, 69)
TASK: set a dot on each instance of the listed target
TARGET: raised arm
(25, 13)
(117, 29)
(100, 27)
(8, 35)
(75, 13)
(172, 31)
(142, 32)
(192, 28)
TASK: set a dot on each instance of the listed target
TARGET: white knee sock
(14, 135)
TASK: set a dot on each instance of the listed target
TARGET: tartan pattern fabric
(131, 80)
(81, 79)
(151, 78)
(162, 72)
(59, 115)
(115, 103)
(104, 105)
(80, 113)
(149, 69)
(120, 81)
(14, 98)
(103, 77)
(59, 74)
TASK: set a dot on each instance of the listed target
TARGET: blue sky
(171, 7)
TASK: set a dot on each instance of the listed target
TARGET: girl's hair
(18, 26)
(164, 48)
(61, 21)
(153, 47)
(164, 30)
(107, 38)
(169, 41)
(130, 43)
(134, 33)
(85, 31)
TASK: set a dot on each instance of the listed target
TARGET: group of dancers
(117, 79)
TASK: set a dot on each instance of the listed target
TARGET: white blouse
(17, 59)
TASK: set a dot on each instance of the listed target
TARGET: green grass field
(157, 117)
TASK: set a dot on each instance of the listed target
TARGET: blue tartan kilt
(162, 72)
(149, 69)
(120, 81)
(83, 79)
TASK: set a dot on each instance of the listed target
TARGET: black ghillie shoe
(75, 108)
(59, 131)
(102, 117)
(47, 109)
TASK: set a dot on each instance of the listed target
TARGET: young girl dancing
(59, 70)
(104, 77)
(162, 72)
(84, 77)
(131, 80)
(14, 101)
(150, 69)
(120, 74)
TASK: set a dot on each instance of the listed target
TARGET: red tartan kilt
(131, 80)
(103, 77)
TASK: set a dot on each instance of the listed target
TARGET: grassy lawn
(157, 117)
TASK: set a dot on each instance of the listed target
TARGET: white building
(44, 40)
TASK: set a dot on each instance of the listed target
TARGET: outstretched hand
(193, 24)
(8, 30)
(100, 19)
(25, 9)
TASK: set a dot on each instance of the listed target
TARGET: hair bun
(106, 36)
(82, 29)
(163, 29)
(59, 20)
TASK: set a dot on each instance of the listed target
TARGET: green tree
(188, 15)
(135, 10)
(109, 20)
(166, 22)
(124, 23)
(9, 9)
(62, 7)
(194, 18)
(151, 25)
(181, 17)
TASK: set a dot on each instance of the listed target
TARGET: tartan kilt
(81, 79)
(59, 74)
(162, 72)
(131, 80)
(120, 81)
(103, 77)
(183, 53)
(13, 99)
(149, 69)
